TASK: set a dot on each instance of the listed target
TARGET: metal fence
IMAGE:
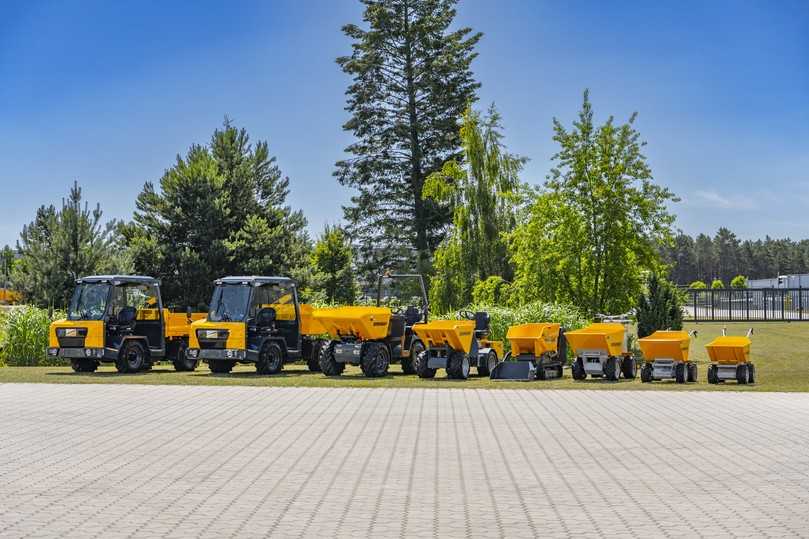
(749, 304)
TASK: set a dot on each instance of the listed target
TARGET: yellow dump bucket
(366, 323)
(666, 345)
(729, 350)
(602, 336)
(533, 339)
(309, 325)
(457, 334)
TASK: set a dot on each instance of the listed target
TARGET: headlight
(53, 351)
(88, 352)
(192, 352)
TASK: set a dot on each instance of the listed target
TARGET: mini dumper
(666, 357)
(457, 345)
(538, 352)
(730, 359)
(602, 351)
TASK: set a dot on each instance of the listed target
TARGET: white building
(782, 281)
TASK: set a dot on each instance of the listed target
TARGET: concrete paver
(173, 461)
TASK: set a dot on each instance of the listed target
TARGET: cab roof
(254, 280)
(121, 279)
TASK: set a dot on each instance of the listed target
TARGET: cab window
(280, 297)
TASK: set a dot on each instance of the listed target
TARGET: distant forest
(724, 256)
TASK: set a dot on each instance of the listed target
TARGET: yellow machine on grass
(602, 351)
(665, 355)
(121, 319)
(538, 352)
(256, 320)
(730, 359)
(457, 345)
(374, 336)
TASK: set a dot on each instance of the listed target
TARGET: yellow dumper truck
(120, 319)
(256, 320)
(601, 351)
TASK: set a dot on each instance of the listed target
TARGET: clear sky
(108, 93)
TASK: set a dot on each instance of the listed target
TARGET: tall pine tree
(411, 81)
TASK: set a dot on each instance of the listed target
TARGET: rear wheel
(220, 366)
(328, 364)
(741, 374)
(751, 373)
(270, 359)
(577, 369)
(458, 365)
(84, 365)
(712, 378)
(646, 373)
(132, 357)
(421, 366)
(679, 373)
(692, 373)
(491, 363)
(181, 361)
(629, 368)
(409, 362)
(611, 371)
(313, 362)
(374, 360)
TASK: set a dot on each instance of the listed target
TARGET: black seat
(481, 323)
(412, 315)
(127, 315)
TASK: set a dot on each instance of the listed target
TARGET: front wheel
(629, 368)
(611, 371)
(328, 364)
(181, 361)
(577, 369)
(712, 377)
(751, 373)
(421, 366)
(132, 357)
(692, 372)
(679, 373)
(741, 374)
(314, 358)
(409, 362)
(374, 360)
(491, 363)
(646, 373)
(458, 365)
(270, 359)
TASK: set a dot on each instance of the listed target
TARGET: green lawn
(780, 352)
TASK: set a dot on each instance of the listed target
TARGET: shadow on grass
(111, 374)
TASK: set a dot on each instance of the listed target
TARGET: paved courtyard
(171, 461)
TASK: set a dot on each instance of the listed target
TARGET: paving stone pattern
(168, 461)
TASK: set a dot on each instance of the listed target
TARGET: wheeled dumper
(730, 359)
(457, 345)
(665, 355)
(601, 352)
(538, 352)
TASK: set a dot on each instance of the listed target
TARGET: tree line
(436, 191)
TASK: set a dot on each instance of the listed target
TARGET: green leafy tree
(61, 245)
(740, 281)
(728, 250)
(658, 307)
(484, 191)
(705, 256)
(332, 266)
(492, 291)
(594, 231)
(220, 210)
(411, 81)
(698, 285)
(717, 284)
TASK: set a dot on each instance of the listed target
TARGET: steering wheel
(397, 310)
(468, 315)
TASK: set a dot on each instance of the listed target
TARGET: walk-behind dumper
(730, 359)
(375, 336)
(120, 319)
(538, 352)
(256, 320)
(457, 345)
(665, 355)
(602, 351)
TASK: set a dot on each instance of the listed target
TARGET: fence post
(764, 302)
(713, 315)
(747, 303)
(694, 296)
(800, 303)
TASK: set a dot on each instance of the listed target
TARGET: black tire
(409, 362)
(84, 365)
(221, 366)
(181, 361)
(646, 373)
(491, 363)
(560, 371)
(313, 361)
(458, 365)
(374, 360)
(131, 358)
(421, 366)
(712, 378)
(270, 359)
(577, 369)
(540, 373)
(611, 369)
(679, 373)
(751, 373)
(741, 374)
(693, 373)
(328, 365)
(629, 368)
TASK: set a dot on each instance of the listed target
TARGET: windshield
(89, 301)
(229, 303)
(398, 292)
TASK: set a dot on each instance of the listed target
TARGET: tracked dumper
(538, 352)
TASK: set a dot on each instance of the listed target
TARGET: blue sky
(108, 93)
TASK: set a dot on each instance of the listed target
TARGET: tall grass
(25, 337)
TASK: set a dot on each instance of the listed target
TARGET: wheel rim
(133, 358)
(492, 362)
(465, 367)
